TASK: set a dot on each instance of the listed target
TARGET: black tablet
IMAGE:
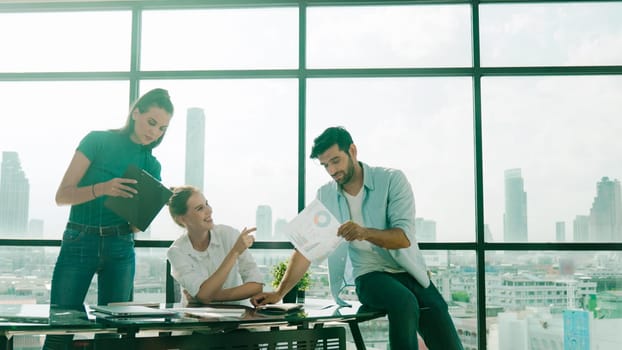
(142, 208)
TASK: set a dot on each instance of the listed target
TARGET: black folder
(282, 308)
(142, 208)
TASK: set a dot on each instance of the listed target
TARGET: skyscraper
(487, 233)
(515, 215)
(606, 212)
(35, 227)
(581, 228)
(560, 231)
(425, 230)
(14, 195)
(280, 230)
(263, 220)
(195, 147)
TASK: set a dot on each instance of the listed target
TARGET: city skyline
(14, 195)
(603, 224)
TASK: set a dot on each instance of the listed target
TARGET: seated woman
(210, 262)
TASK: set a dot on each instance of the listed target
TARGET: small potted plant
(296, 294)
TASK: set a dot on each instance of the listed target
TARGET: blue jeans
(82, 255)
(410, 309)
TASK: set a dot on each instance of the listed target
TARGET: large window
(555, 34)
(220, 39)
(65, 41)
(504, 116)
(550, 172)
(362, 37)
(249, 165)
(43, 124)
(415, 124)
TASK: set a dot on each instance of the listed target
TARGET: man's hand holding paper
(351, 231)
(314, 232)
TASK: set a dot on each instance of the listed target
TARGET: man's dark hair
(336, 135)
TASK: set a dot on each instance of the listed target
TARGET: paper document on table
(212, 312)
(314, 232)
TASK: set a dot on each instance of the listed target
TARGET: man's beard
(348, 174)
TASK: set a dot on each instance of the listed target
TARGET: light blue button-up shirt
(388, 202)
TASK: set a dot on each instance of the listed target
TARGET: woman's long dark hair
(154, 98)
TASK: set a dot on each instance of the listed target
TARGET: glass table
(318, 325)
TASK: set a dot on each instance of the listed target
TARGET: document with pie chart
(314, 232)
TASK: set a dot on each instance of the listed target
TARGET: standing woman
(96, 240)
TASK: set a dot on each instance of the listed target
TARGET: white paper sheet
(211, 312)
(314, 232)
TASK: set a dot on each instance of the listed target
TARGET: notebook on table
(142, 208)
(131, 311)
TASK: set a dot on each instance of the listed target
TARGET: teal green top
(110, 153)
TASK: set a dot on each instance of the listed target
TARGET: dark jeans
(81, 256)
(410, 309)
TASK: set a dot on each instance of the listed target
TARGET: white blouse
(191, 268)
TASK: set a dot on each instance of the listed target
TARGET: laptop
(24, 313)
(142, 208)
(131, 311)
